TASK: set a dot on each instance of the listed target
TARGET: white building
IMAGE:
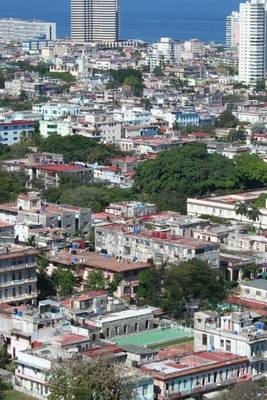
(224, 206)
(252, 48)
(232, 30)
(95, 21)
(254, 290)
(240, 333)
(52, 111)
(20, 30)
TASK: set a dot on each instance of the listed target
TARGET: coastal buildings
(95, 21)
(19, 30)
(232, 30)
(252, 48)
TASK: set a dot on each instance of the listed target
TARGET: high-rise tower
(95, 21)
(252, 47)
(232, 30)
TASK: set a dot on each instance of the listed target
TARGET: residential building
(241, 333)
(18, 277)
(252, 48)
(34, 366)
(124, 322)
(19, 30)
(11, 132)
(224, 206)
(136, 243)
(86, 262)
(52, 111)
(255, 290)
(232, 30)
(196, 373)
(95, 21)
(31, 210)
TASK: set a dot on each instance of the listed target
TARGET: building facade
(18, 277)
(10, 132)
(252, 48)
(95, 21)
(20, 30)
(232, 30)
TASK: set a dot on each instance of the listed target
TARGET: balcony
(18, 282)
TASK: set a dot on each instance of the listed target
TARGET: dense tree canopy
(11, 184)
(78, 380)
(129, 77)
(177, 287)
(79, 148)
(185, 171)
(96, 197)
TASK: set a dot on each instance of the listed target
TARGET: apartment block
(18, 277)
(10, 132)
(136, 243)
(240, 333)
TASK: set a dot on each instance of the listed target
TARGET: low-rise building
(11, 132)
(125, 322)
(241, 333)
(224, 206)
(31, 210)
(196, 374)
(255, 290)
(110, 266)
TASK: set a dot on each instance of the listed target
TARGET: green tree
(4, 358)
(76, 380)
(227, 120)
(114, 284)
(241, 209)
(150, 285)
(64, 281)
(46, 286)
(189, 283)
(250, 171)
(95, 280)
(253, 213)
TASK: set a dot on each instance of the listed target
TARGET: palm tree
(241, 209)
(253, 213)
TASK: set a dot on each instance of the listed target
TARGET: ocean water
(140, 19)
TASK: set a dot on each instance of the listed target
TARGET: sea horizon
(145, 20)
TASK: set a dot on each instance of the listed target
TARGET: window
(204, 339)
(108, 332)
(136, 326)
(222, 343)
(125, 328)
(116, 330)
(147, 324)
(228, 345)
(258, 293)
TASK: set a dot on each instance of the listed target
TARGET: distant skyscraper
(252, 47)
(94, 21)
(232, 30)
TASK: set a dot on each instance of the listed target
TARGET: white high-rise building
(95, 21)
(252, 47)
(19, 30)
(232, 30)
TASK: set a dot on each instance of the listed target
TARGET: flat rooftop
(192, 363)
(127, 314)
(160, 236)
(97, 261)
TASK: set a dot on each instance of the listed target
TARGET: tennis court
(155, 336)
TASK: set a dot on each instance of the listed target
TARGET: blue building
(10, 132)
(187, 118)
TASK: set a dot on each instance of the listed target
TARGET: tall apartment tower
(232, 30)
(252, 47)
(94, 21)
